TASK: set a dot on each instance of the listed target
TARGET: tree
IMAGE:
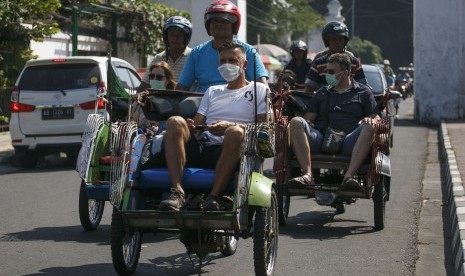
(15, 37)
(367, 51)
(275, 20)
(144, 26)
(138, 21)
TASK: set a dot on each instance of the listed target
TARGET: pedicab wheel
(230, 246)
(90, 210)
(265, 237)
(379, 200)
(284, 202)
(125, 246)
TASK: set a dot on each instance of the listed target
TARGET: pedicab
(328, 169)
(93, 163)
(136, 192)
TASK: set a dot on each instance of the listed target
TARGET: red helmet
(225, 10)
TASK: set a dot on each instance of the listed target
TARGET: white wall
(60, 45)
(439, 51)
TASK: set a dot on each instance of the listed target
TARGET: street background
(42, 234)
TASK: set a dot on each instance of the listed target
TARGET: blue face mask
(331, 79)
(157, 84)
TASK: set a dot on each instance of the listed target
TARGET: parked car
(51, 100)
(377, 81)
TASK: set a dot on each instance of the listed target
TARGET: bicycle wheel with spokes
(125, 245)
(265, 237)
(90, 210)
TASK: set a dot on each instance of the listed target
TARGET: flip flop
(304, 180)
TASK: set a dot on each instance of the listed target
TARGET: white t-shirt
(222, 104)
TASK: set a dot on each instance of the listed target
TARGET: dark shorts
(197, 156)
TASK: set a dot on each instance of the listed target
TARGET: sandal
(350, 184)
(304, 180)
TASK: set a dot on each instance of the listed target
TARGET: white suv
(52, 99)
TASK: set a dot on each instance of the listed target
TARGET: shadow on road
(107, 269)
(321, 225)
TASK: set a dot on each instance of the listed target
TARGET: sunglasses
(157, 77)
(332, 72)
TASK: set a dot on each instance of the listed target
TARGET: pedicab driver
(341, 105)
(222, 21)
(225, 109)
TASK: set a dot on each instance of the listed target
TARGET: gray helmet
(335, 28)
(299, 45)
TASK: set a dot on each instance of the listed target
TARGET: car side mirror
(101, 91)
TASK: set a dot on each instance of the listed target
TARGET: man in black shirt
(341, 105)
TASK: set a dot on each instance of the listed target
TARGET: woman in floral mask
(161, 76)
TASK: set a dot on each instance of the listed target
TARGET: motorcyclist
(299, 63)
(177, 32)
(222, 21)
(389, 73)
(335, 36)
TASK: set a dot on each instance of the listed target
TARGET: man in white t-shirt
(224, 109)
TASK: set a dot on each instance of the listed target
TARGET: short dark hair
(342, 59)
(231, 46)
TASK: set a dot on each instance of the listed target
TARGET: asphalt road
(40, 232)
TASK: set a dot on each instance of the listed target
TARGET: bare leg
(229, 158)
(300, 146)
(177, 134)
(361, 149)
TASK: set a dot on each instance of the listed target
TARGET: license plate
(57, 113)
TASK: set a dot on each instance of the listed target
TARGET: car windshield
(374, 79)
(60, 77)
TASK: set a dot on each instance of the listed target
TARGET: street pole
(353, 18)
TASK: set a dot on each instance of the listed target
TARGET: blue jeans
(315, 138)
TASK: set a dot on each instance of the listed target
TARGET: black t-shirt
(300, 71)
(345, 110)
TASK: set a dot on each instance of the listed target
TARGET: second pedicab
(328, 170)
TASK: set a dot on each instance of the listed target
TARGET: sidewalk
(452, 134)
(6, 150)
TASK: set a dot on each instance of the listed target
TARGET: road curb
(454, 198)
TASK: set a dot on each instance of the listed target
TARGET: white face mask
(229, 71)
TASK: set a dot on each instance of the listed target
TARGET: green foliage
(15, 37)
(274, 20)
(144, 27)
(366, 50)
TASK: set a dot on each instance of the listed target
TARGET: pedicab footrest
(145, 219)
(193, 179)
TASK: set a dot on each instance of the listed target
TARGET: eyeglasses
(157, 77)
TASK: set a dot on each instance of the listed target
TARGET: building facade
(439, 60)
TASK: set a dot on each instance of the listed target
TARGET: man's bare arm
(182, 87)
(262, 80)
